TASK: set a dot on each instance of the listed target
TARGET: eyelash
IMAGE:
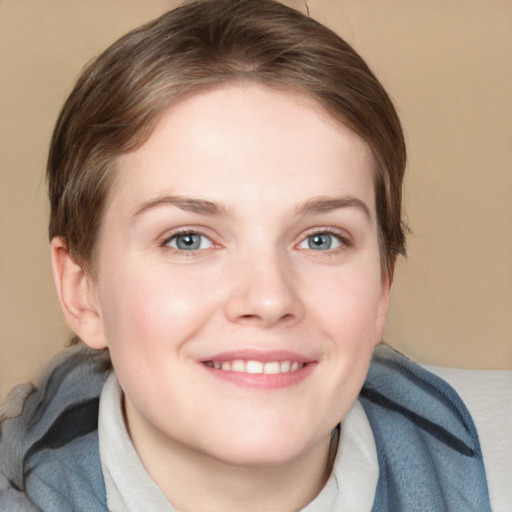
(344, 240)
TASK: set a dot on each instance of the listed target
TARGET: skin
(257, 282)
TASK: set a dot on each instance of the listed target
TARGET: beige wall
(448, 66)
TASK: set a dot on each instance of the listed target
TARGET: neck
(193, 481)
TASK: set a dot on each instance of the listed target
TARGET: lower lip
(263, 380)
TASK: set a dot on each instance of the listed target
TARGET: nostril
(266, 318)
(254, 320)
(249, 317)
(263, 306)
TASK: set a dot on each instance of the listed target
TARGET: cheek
(150, 315)
(153, 306)
(347, 304)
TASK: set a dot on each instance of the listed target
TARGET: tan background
(447, 65)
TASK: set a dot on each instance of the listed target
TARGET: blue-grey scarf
(427, 445)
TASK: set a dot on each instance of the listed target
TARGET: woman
(225, 188)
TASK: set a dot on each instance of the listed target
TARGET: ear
(77, 295)
(383, 306)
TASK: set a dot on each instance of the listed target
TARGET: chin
(256, 457)
(257, 447)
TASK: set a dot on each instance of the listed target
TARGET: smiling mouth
(260, 369)
(256, 367)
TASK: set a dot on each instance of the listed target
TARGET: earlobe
(76, 293)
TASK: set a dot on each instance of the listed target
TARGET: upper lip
(264, 356)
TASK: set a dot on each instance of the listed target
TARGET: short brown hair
(119, 96)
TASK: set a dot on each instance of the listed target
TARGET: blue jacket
(429, 455)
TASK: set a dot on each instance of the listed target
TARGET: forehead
(246, 141)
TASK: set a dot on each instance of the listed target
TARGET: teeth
(269, 368)
(272, 368)
(237, 366)
(254, 367)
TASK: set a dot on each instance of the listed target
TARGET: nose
(264, 293)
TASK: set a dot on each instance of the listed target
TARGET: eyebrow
(210, 208)
(188, 204)
(326, 204)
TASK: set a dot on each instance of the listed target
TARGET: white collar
(129, 488)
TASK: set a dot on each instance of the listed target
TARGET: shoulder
(48, 434)
(488, 397)
(427, 442)
(68, 477)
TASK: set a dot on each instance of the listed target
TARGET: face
(239, 284)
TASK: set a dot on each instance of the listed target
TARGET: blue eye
(321, 242)
(189, 242)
